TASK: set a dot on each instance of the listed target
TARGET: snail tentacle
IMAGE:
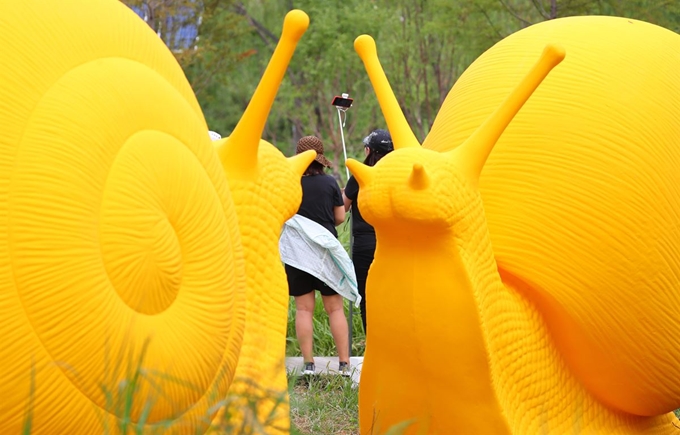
(402, 135)
(473, 153)
(239, 153)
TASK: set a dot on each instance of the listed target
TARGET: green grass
(324, 405)
(328, 405)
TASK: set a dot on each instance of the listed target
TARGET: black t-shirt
(320, 195)
(363, 232)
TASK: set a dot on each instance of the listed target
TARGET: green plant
(28, 418)
(324, 405)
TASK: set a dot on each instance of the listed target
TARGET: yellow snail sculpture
(267, 192)
(123, 273)
(533, 292)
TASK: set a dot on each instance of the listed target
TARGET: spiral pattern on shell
(120, 244)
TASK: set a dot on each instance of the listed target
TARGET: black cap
(379, 141)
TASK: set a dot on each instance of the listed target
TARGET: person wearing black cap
(376, 146)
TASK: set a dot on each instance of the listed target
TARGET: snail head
(259, 174)
(420, 186)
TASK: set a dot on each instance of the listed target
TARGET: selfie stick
(342, 108)
(342, 134)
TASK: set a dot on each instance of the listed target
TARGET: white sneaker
(309, 369)
(344, 369)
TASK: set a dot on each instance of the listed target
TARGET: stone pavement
(326, 365)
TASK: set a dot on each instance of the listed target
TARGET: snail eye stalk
(472, 153)
(401, 132)
(239, 153)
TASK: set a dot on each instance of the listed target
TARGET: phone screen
(342, 102)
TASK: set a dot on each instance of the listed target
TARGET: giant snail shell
(546, 285)
(123, 273)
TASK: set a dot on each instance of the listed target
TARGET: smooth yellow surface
(266, 195)
(119, 239)
(537, 297)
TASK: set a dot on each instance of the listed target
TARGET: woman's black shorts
(300, 283)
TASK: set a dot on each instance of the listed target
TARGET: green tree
(429, 45)
(421, 51)
(210, 57)
(324, 65)
(665, 13)
(423, 45)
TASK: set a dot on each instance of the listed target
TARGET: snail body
(267, 192)
(556, 314)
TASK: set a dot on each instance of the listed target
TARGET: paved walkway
(326, 365)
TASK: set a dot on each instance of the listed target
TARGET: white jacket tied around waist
(310, 247)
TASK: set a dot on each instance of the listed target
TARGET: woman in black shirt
(376, 146)
(321, 202)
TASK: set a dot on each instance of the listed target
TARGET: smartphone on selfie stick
(343, 102)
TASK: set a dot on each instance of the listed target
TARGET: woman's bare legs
(304, 326)
(339, 329)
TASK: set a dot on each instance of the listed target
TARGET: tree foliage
(423, 45)
(201, 35)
